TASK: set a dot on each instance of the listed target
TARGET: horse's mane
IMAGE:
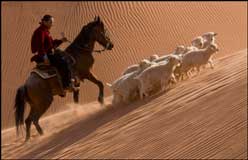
(84, 36)
(88, 26)
(85, 32)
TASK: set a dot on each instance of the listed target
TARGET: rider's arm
(57, 43)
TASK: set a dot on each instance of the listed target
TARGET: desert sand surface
(202, 117)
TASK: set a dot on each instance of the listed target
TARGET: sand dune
(202, 117)
(138, 30)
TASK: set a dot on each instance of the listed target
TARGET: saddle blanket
(45, 71)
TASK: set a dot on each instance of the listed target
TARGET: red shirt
(42, 42)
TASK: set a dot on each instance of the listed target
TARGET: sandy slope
(202, 117)
(138, 30)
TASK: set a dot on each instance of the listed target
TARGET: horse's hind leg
(36, 124)
(93, 79)
(40, 110)
(33, 116)
(37, 116)
(28, 125)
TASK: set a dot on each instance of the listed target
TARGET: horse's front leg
(76, 96)
(91, 77)
(76, 89)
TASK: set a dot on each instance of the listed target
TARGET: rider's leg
(37, 58)
(55, 61)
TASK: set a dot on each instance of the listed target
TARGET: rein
(84, 48)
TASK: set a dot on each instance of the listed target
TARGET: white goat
(179, 50)
(195, 59)
(153, 57)
(131, 69)
(208, 38)
(197, 42)
(141, 66)
(125, 89)
(158, 75)
(200, 42)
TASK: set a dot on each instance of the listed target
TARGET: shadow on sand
(83, 128)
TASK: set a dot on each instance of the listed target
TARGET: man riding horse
(43, 45)
(37, 90)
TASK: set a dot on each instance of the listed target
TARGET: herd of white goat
(158, 73)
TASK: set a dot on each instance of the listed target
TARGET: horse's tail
(20, 101)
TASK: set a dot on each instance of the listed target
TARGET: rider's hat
(46, 17)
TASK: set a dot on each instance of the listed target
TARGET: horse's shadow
(83, 128)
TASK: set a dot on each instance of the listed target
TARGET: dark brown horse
(38, 93)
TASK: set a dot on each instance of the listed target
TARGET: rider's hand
(64, 39)
(46, 60)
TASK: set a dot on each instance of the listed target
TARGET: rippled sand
(203, 117)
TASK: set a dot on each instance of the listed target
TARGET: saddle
(51, 75)
(45, 71)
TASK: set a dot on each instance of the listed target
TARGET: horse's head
(101, 34)
(90, 33)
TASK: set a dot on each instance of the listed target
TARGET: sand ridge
(202, 117)
(138, 30)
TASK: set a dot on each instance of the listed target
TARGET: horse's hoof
(75, 99)
(100, 100)
(62, 95)
(41, 133)
(27, 139)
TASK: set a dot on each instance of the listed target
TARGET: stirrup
(42, 64)
(73, 80)
(72, 86)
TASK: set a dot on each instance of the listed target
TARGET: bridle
(88, 49)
